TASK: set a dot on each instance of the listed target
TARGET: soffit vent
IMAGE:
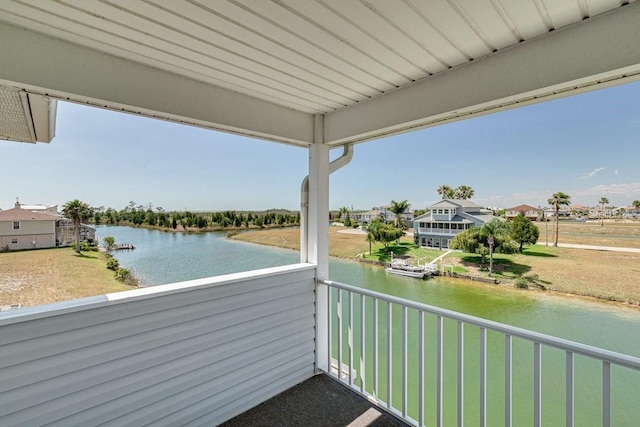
(15, 116)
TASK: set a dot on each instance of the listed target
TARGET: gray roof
(487, 218)
(453, 203)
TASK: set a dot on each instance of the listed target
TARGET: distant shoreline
(604, 276)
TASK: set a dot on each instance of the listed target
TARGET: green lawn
(418, 255)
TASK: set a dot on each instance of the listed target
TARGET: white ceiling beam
(604, 48)
(53, 67)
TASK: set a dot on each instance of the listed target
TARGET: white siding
(193, 353)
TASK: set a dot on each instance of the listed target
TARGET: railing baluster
(537, 384)
(376, 332)
(389, 355)
(362, 344)
(421, 368)
(606, 394)
(460, 374)
(329, 329)
(569, 390)
(439, 362)
(404, 362)
(350, 336)
(340, 334)
(483, 377)
(507, 380)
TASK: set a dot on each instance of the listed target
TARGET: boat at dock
(123, 246)
(401, 267)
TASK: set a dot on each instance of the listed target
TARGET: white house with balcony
(445, 219)
(318, 76)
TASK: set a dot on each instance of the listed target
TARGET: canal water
(161, 258)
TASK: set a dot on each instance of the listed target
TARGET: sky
(587, 146)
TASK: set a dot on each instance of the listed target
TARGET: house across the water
(529, 212)
(22, 228)
(382, 212)
(447, 218)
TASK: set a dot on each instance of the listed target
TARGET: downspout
(338, 163)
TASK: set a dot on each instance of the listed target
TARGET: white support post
(317, 241)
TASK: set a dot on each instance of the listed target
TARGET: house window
(14, 241)
(16, 225)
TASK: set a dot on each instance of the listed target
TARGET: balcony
(204, 351)
(439, 231)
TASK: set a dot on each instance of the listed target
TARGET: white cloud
(615, 172)
(591, 174)
(627, 189)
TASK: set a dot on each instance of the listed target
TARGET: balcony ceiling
(264, 68)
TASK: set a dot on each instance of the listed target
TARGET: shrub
(522, 283)
(122, 274)
(113, 264)
(87, 246)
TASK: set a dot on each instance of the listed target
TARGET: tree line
(140, 215)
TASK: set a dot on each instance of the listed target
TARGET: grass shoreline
(59, 274)
(43, 276)
(601, 275)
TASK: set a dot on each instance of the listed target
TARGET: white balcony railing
(203, 351)
(442, 231)
(196, 352)
(423, 364)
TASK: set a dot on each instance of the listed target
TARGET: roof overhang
(48, 57)
(26, 117)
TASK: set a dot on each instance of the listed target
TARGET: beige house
(534, 214)
(23, 229)
(37, 227)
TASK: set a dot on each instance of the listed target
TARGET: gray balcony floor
(319, 401)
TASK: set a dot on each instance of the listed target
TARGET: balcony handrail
(348, 374)
(560, 343)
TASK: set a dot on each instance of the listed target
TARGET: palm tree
(77, 212)
(603, 201)
(464, 192)
(398, 208)
(370, 229)
(446, 192)
(343, 211)
(556, 200)
(636, 205)
(494, 231)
